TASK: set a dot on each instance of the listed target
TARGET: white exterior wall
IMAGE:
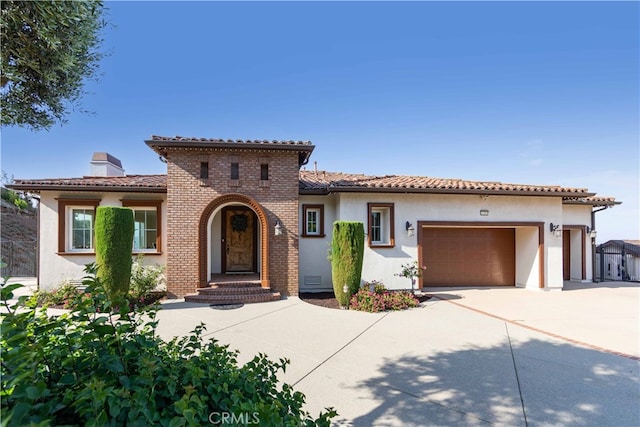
(384, 263)
(527, 258)
(314, 266)
(54, 269)
(579, 215)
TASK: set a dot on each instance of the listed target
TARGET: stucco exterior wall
(315, 268)
(578, 215)
(384, 264)
(55, 268)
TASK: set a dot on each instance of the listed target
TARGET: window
(82, 221)
(380, 226)
(147, 230)
(204, 170)
(76, 222)
(145, 235)
(264, 172)
(313, 224)
(235, 171)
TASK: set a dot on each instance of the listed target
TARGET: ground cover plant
(93, 366)
(374, 297)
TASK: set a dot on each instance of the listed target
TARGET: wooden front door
(239, 241)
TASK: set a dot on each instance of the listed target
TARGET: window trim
(390, 223)
(154, 204)
(320, 220)
(64, 225)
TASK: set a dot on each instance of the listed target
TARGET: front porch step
(233, 293)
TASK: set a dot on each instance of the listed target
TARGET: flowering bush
(400, 300)
(63, 296)
(373, 297)
(367, 300)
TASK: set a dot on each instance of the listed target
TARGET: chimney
(104, 164)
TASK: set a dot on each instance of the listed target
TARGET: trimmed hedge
(347, 253)
(114, 245)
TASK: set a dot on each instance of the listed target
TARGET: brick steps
(233, 293)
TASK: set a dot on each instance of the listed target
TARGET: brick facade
(191, 200)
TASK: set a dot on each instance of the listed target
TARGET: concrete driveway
(470, 356)
(508, 357)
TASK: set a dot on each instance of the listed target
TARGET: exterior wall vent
(312, 281)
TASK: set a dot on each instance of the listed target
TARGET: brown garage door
(468, 256)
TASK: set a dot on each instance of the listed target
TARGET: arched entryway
(204, 235)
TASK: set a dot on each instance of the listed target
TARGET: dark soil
(328, 299)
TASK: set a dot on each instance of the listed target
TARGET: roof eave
(594, 203)
(334, 189)
(160, 146)
(85, 188)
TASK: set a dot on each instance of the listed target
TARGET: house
(618, 260)
(250, 209)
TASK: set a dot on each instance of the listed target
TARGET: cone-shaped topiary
(114, 244)
(347, 253)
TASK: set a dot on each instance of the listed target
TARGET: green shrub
(145, 278)
(20, 203)
(346, 255)
(63, 295)
(89, 367)
(114, 243)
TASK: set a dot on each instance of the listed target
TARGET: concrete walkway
(445, 363)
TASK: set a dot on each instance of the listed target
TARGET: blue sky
(536, 92)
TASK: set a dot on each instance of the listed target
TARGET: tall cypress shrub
(347, 253)
(114, 244)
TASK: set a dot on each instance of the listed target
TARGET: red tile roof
(591, 200)
(184, 139)
(327, 182)
(322, 182)
(163, 144)
(135, 183)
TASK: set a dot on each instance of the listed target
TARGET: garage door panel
(468, 256)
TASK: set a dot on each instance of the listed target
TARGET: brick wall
(189, 196)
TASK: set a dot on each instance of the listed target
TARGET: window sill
(146, 253)
(382, 245)
(76, 253)
(313, 235)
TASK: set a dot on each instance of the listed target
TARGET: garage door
(468, 256)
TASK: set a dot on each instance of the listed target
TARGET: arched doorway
(228, 207)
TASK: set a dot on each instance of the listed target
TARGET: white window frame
(70, 217)
(319, 220)
(380, 225)
(65, 224)
(144, 232)
(147, 205)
